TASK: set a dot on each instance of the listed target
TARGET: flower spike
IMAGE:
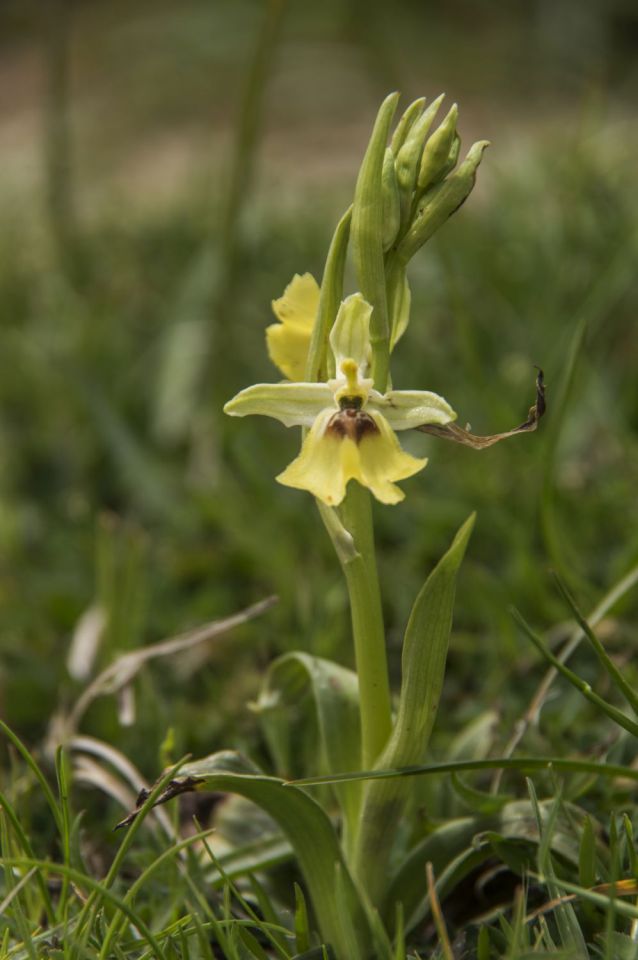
(352, 425)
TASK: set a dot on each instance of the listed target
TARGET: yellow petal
(382, 461)
(350, 335)
(288, 349)
(288, 340)
(318, 468)
(330, 458)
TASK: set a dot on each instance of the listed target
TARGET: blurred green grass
(128, 318)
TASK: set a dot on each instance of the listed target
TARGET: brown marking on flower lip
(352, 423)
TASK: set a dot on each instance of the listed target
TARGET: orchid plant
(353, 848)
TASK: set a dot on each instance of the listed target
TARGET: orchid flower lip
(351, 422)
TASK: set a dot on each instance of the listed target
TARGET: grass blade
(521, 764)
(607, 708)
(37, 772)
(604, 659)
(570, 933)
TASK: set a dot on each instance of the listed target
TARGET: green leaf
(317, 953)
(480, 801)
(483, 944)
(320, 363)
(587, 855)
(399, 933)
(423, 666)
(441, 847)
(399, 301)
(631, 846)
(342, 919)
(269, 913)
(571, 935)
(519, 936)
(252, 944)
(424, 655)
(259, 856)
(302, 931)
(587, 866)
(459, 846)
(335, 700)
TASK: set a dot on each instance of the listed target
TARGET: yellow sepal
(288, 341)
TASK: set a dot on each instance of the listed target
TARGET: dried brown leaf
(451, 431)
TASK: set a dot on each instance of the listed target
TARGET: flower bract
(352, 425)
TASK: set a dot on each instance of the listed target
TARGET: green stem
(360, 571)
(380, 366)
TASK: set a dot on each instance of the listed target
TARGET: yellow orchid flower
(288, 341)
(352, 425)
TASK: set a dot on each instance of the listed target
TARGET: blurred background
(165, 169)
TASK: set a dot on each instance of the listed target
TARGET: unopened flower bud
(409, 157)
(390, 198)
(437, 151)
(405, 124)
(440, 202)
(453, 157)
(366, 238)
